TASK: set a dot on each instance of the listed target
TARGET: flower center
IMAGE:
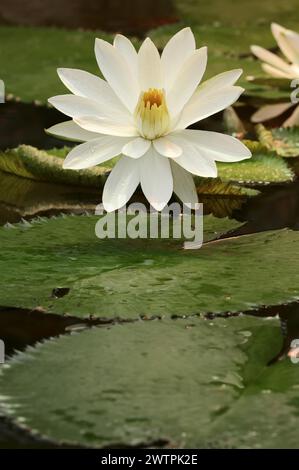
(151, 114)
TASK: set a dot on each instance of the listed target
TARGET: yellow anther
(151, 114)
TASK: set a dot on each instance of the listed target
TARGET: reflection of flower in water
(288, 42)
(142, 111)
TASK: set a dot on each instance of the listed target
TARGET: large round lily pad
(185, 384)
(128, 278)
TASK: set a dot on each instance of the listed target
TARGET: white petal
(187, 81)
(216, 146)
(75, 106)
(156, 179)
(183, 185)
(105, 126)
(149, 66)
(121, 184)
(292, 39)
(270, 111)
(270, 58)
(277, 29)
(129, 53)
(277, 73)
(222, 80)
(192, 158)
(174, 55)
(286, 46)
(94, 152)
(117, 73)
(71, 131)
(203, 105)
(167, 148)
(293, 120)
(136, 148)
(94, 88)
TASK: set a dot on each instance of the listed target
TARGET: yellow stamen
(151, 114)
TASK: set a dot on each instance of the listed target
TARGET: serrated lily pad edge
(18, 425)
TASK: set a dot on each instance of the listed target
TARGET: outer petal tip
(116, 37)
(109, 207)
(67, 166)
(249, 154)
(276, 25)
(214, 173)
(100, 43)
(254, 48)
(246, 153)
(240, 91)
(148, 41)
(52, 100)
(238, 73)
(277, 29)
(187, 30)
(204, 51)
(61, 72)
(159, 206)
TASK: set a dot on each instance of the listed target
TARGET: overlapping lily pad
(174, 383)
(29, 162)
(283, 140)
(23, 197)
(265, 89)
(133, 277)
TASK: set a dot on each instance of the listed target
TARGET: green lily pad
(279, 83)
(283, 140)
(217, 187)
(268, 89)
(133, 277)
(222, 198)
(259, 96)
(265, 90)
(195, 385)
(23, 197)
(32, 75)
(261, 168)
(222, 206)
(29, 162)
(255, 16)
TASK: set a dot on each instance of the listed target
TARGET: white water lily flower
(142, 111)
(288, 42)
